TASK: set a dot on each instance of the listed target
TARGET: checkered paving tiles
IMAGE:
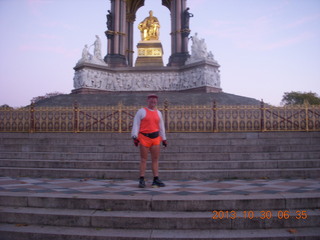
(173, 187)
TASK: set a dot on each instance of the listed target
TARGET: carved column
(123, 29)
(129, 50)
(185, 31)
(179, 40)
(178, 26)
(116, 35)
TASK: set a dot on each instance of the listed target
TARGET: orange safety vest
(150, 123)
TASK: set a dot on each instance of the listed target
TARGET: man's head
(150, 13)
(152, 101)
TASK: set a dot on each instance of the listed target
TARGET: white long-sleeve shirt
(141, 115)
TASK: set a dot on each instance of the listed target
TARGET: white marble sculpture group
(199, 51)
(95, 57)
(201, 70)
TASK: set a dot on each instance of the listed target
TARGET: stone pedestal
(149, 54)
(115, 60)
(178, 59)
(201, 76)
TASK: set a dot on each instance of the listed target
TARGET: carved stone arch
(120, 38)
(132, 8)
(134, 5)
(167, 3)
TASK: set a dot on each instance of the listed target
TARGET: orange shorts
(149, 142)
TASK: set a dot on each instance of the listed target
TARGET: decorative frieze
(150, 52)
(199, 75)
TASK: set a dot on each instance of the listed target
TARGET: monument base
(191, 90)
(149, 54)
(115, 60)
(178, 59)
(199, 76)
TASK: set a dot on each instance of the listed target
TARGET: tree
(6, 106)
(48, 95)
(298, 98)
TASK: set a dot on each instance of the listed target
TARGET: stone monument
(116, 73)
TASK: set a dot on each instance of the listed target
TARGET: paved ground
(182, 188)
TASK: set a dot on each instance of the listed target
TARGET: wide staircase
(189, 156)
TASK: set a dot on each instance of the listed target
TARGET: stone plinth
(149, 54)
(199, 76)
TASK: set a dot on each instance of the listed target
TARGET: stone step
(39, 232)
(165, 155)
(38, 212)
(161, 217)
(200, 174)
(165, 165)
(165, 220)
(101, 137)
(188, 135)
(162, 202)
(90, 141)
(106, 216)
(187, 148)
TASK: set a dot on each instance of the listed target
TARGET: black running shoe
(157, 183)
(142, 183)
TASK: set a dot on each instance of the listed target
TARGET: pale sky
(264, 47)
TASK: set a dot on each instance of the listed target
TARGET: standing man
(148, 131)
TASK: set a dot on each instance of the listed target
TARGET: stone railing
(204, 118)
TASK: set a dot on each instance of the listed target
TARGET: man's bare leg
(143, 159)
(155, 153)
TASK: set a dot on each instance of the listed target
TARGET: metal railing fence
(204, 118)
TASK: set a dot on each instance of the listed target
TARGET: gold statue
(149, 28)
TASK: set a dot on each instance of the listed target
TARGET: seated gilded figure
(149, 28)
